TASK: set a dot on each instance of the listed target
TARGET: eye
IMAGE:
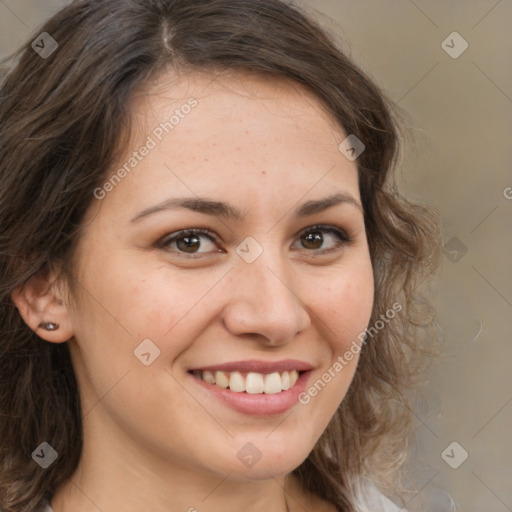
(194, 242)
(314, 238)
(189, 242)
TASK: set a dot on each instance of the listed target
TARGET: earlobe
(42, 307)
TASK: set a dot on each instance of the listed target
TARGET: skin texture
(153, 438)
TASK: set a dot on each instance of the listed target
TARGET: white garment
(371, 500)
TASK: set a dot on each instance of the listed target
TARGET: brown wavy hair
(59, 136)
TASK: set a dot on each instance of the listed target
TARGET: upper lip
(259, 366)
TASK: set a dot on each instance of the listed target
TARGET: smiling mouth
(250, 382)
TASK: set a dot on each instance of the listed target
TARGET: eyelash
(344, 239)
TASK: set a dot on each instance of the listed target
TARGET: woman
(207, 274)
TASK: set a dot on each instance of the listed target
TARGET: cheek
(129, 295)
(123, 307)
(164, 300)
(345, 309)
(167, 307)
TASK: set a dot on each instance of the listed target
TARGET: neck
(111, 477)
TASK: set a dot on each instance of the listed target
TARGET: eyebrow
(220, 209)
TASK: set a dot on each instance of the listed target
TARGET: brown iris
(189, 243)
(313, 240)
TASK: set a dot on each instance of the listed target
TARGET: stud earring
(49, 326)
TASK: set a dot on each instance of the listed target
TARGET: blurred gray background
(459, 101)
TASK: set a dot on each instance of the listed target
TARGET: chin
(263, 459)
(264, 470)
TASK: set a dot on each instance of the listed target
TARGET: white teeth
(273, 383)
(209, 377)
(254, 383)
(236, 382)
(221, 380)
(285, 380)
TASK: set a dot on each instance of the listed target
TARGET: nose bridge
(264, 300)
(269, 276)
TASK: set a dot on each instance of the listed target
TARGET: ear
(40, 300)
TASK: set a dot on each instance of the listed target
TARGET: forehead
(231, 136)
(236, 96)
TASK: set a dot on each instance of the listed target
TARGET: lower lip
(257, 404)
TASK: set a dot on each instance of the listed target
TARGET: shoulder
(371, 500)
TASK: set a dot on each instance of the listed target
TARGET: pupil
(313, 240)
(191, 243)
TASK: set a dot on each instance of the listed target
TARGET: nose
(263, 302)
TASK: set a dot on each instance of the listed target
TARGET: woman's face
(259, 292)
